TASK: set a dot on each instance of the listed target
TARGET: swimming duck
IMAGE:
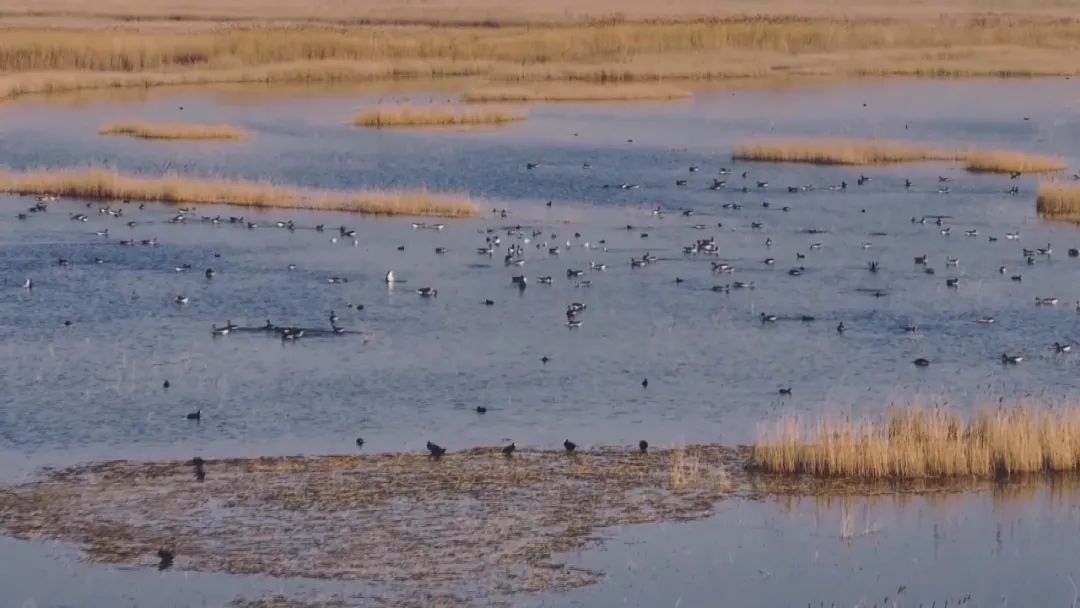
(545, 280)
(1011, 359)
(972, 232)
(1049, 301)
(209, 273)
(196, 415)
(1062, 348)
(336, 280)
(181, 299)
(952, 261)
(768, 318)
(921, 362)
(920, 259)
(428, 292)
(985, 320)
(953, 283)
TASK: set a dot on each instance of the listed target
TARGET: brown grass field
(913, 443)
(115, 186)
(853, 152)
(434, 116)
(54, 45)
(1059, 201)
(144, 130)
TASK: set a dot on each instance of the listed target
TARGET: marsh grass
(1012, 162)
(839, 152)
(1059, 201)
(600, 51)
(917, 443)
(144, 130)
(116, 186)
(575, 92)
(435, 116)
(854, 152)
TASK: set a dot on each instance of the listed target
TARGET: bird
(181, 299)
(435, 450)
(840, 328)
(785, 391)
(481, 409)
(209, 273)
(165, 384)
(28, 284)
(196, 415)
(359, 442)
(166, 556)
(1062, 348)
(921, 362)
(545, 359)
(643, 446)
(389, 278)
(508, 451)
(645, 383)
(1011, 359)
(768, 318)
(570, 446)
(428, 292)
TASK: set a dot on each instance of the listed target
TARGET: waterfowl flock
(764, 254)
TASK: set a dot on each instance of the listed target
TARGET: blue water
(412, 369)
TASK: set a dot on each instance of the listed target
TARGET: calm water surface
(412, 369)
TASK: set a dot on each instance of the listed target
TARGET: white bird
(28, 284)
(390, 277)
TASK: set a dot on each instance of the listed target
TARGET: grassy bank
(428, 116)
(852, 152)
(1059, 201)
(914, 443)
(612, 50)
(142, 130)
(574, 92)
(114, 186)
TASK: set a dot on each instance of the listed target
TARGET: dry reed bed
(433, 116)
(853, 152)
(112, 185)
(916, 443)
(171, 131)
(575, 92)
(1059, 201)
(473, 524)
(51, 60)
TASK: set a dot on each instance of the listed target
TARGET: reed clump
(1012, 162)
(98, 184)
(854, 152)
(918, 443)
(840, 152)
(1059, 201)
(173, 131)
(421, 116)
(575, 92)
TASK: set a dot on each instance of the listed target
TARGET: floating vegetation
(469, 525)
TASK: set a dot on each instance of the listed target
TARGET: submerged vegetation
(1059, 201)
(434, 116)
(476, 521)
(916, 443)
(144, 130)
(854, 152)
(115, 186)
(575, 92)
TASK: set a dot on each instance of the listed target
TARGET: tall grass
(914, 443)
(852, 152)
(600, 51)
(1012, 162)
(112, 185)
(574, 92)
(1059, 201)
(429, 116)
(839, 152)
(144, 130)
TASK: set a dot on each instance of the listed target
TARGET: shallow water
(416, 368)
